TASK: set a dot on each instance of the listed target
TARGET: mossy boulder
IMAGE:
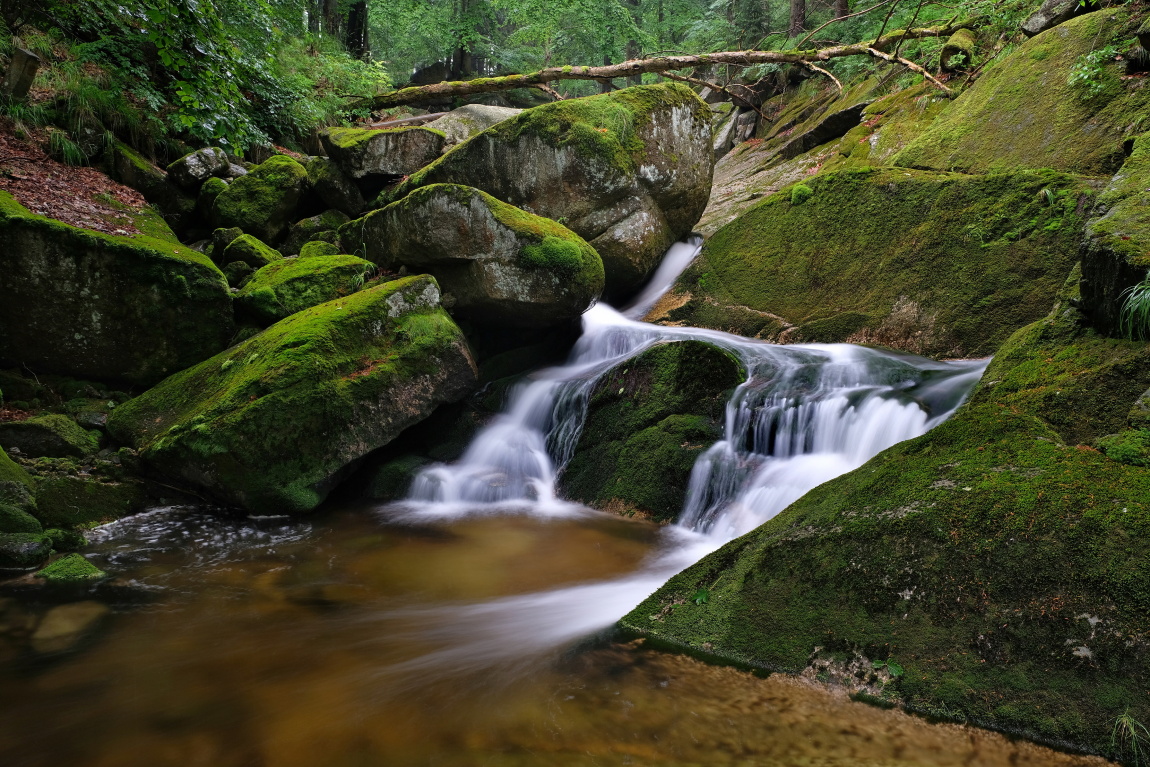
(70, 569)
(53, 436)
(194, 168)
(316, 248)
(64, 500)
(294, 284)
(23, 550)
(647, 421)
(334, 187)
(17, 504)
(263, 202)
(238, 273)
(1026, 111)
(251, 251)
(1003, 563)
(460, 124)
(361, 152)
(132, 169)
(501, 264)
(206, 199)
(107, 307)
(628, 171)
(333, 382)
(931, 263)
(306, 230)
(1116, 250)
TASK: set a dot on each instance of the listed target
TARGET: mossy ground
(647, 422)
(330, 381)
(961, 261)
(1002, 562)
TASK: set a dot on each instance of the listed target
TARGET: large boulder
(647, 422)
(53, 436)
(130, 168)
(106, 307)
(1116, 250)
(334, 187)
(361, 152)
(501, 264)
(1028, 111)
(460, 124)
(17, 505)
(998, 560)
(628, 171)
(294, 284)
(250, 251)
(194, 168)
(333, 382)
(1052, 13)
(850, 256)
(263, 201)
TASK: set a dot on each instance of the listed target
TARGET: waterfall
(804, 415)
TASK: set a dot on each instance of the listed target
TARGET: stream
(470, 623)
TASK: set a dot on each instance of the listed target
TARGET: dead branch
(661, 64)
(824, 72)
(736, 99)
(912, 67)
(549, 91)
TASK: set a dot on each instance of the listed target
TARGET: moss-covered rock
(931, 263)
(306, 230)
(334, 187)
(23, 550)
(318, 248)
(263, 202)
(206, 199)
(1116, 250)
(294, 284)
(194, 168)
(501, 264)
(238, 273)
(130, 168)
(1026, 111)
(100, 306)
(64, 500)
(251, 251)
(53, 436)
(334, 382)
(460, 124)
(629, 171)
(1000, 561)
(363, 152)
(71, 569)
(647, 422)
(17, 504)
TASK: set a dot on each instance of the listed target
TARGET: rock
(647, 422)
(334, 187)
(317, 248)
(1117, 241)
(106, 307)
(361, 152)
(294, 284)
(251, 251)
(128, 167)
(71, 569)
(1025, 111)
(502, 265)
(855, 262)
(14, 519)
(828, 127)
(958, 53)
(725, 132)
(63, 628)
(238, 273)
(221, 239)
(263, 202)
(194, 168)
(628, 171)
(335, 382)
(211, 189)
(304, 231)
(1054, 12)
(460, 124)
(52, 436)
(23, 550)
(235, 171)
(745, 125)
(21, 74)
(17, 505)
(65, 540)
(67, 500)
(950, 553)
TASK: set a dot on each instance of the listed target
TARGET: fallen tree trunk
(658, 64)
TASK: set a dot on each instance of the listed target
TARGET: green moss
(294, 284)
(48, 435)
(315, 248)
(984, 555)
(1131, 447)
(23, 550)
(12, 473)
(70, 501)
(349, 138)
(65, 540)
(647, 422)
(1023, 112)
(329, 380)
(934, 263)
(261, 202)
(251, 251)
(16, 520)
(800, 193)
(72, 568)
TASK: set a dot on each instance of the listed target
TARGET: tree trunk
(798, 23)
(633, 50)
(842, 8)
(356, 38)
(314, 16)
(331, 17)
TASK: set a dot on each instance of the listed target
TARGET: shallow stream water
(471, 623)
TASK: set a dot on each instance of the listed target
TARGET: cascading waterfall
(805, 414)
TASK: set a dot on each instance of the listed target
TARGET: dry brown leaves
(76, 196)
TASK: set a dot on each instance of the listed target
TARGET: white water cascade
(805, 414)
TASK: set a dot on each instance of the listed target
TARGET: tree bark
(356, 39)
(666, 63)
(842, 8)
(798, 23)
(331, 17)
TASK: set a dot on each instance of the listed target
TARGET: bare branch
(826, 24)
(912, 67)
(636, 67)
(824, 72)
(735, 98)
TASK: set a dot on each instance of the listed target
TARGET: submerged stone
(105, 307)
(333, 382)
(502, 265)
(629, 171)
(63, 628)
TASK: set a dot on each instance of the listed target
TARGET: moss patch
(262, 201)
(294, 284)
(72, 568)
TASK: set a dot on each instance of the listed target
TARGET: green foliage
(1088, 75)
(1134, 319)
(1130, 740)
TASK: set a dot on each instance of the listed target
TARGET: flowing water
(470, 624)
